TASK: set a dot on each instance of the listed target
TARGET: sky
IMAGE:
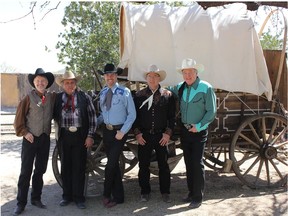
(22, 45)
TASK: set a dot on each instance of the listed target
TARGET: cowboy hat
(110, 68)
(68, 75)
(155, 69)
(40, 72)
(190, 63)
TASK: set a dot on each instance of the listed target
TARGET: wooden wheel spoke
(272, 130)
(255, 133)
(253, 164)
(249, 140)
(280, 145)
(267, 171)
(264, 130)
(278, 137)
(246, 150)
(276, 168)
(259, 171)
(219, 153)
(246, 156)
(282, 161)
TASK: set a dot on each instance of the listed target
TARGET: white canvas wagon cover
(224, 40)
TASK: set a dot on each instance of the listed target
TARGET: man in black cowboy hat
(33, 122)
(118, 114)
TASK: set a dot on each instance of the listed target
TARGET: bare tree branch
(30, 12)
(50, 10)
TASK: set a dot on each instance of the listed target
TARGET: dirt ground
(224, 194)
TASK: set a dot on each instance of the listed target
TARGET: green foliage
(90, 39)
(271, 42)
(272, 38)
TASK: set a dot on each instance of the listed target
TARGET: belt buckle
(188, 126)
(151, 131)
(72, 129)
(109, 126)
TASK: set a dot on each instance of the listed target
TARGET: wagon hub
(269, 152)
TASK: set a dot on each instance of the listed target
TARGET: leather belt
(153, 131)
(113, 127)
(188, 126)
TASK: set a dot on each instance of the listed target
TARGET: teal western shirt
(198, 103)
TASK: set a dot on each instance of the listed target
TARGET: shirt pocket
(116, 100)
(198, 99)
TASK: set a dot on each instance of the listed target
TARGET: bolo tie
(148, 100)
(70, 103)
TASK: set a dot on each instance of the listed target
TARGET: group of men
(150, 114)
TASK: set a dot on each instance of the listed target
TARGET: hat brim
(198, 67)
(59, 80)
(118, 71)
(48, 75)
(161, 73)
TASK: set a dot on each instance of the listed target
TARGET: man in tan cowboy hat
(33, 122)
(153, 128)
(198, 110)
(76, 122)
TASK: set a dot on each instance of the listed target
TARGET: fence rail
(6, 124)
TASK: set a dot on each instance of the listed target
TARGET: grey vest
(40, 115)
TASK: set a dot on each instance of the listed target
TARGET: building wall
(14, 87)
(9, 90)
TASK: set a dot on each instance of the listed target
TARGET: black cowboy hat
(40, 72)
(110, 68)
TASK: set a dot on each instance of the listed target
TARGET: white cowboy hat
(68, 75)
(155, 69)
(191, 63)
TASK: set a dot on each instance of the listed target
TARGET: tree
(91, 38)
(272, 38)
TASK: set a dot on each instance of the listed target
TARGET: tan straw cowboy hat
(68, 75)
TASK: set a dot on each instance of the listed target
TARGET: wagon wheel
(215, 155)
(130, 158)
(259, 151)
(56, 164)
(96, 162)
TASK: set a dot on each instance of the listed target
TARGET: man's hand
(193, 129)
(166, 92)
(119, 135)
(140, 139)
(89, 142)
(165, 139)
(29, 137)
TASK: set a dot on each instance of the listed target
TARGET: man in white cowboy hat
(153, 128)
(33, 122)
(198, 109)
(118, 114)
(76, 122)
